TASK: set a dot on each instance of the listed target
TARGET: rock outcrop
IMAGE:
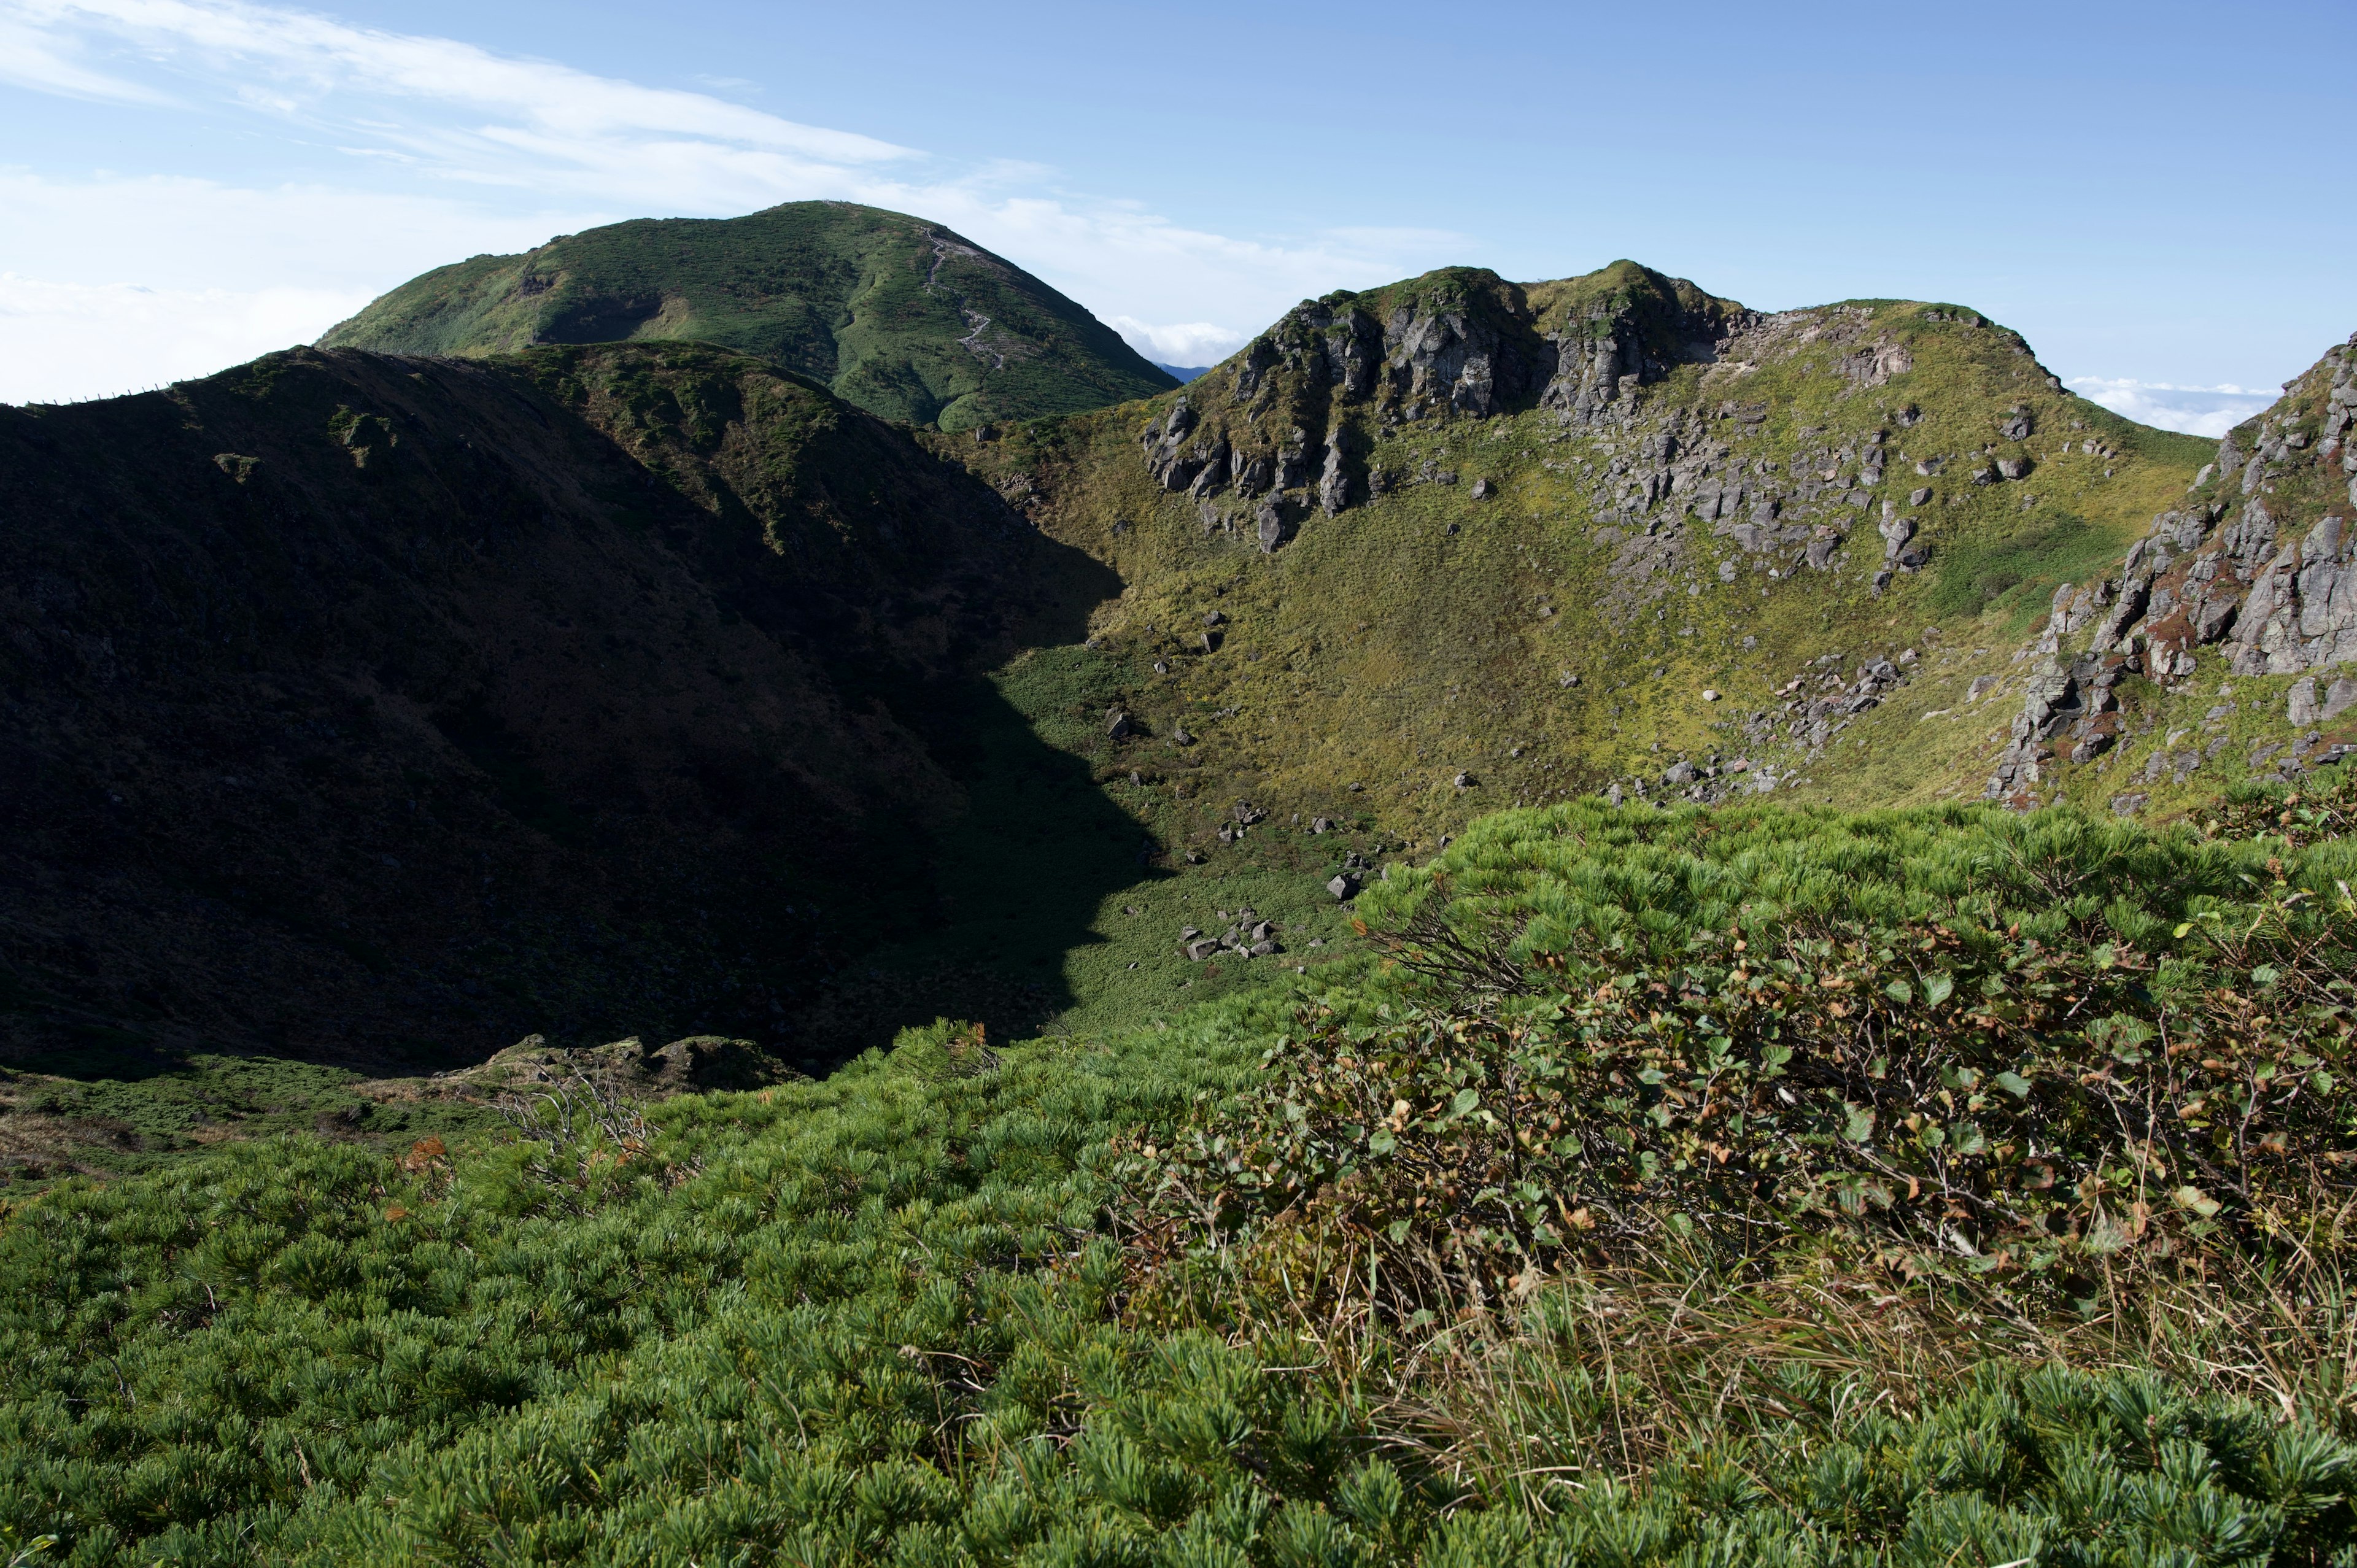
(1458, 343)
(2259, 562)
(630, 1068)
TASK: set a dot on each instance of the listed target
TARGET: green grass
(118, 1105)
(924, 1310)
(2015, 574)
(1029, 924)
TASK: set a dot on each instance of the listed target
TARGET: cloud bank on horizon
(2197, 411)
(427, 149)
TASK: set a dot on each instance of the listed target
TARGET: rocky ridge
(1305, 402)
(1308, 404)
(2258, 563)
(1675, 504)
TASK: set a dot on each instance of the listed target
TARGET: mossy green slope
(895, 314)
(1473, 544)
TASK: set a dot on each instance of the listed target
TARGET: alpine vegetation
(733, 892)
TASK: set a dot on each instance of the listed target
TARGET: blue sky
(2156, 194)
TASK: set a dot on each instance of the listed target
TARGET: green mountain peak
(904, 317)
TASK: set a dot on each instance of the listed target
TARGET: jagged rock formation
(1460, 341)
(896, 314)
(2257, 561)
(1450, 343)
(1295, 425)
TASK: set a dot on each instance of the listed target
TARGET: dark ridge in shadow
(379, 711)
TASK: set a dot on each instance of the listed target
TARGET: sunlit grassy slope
(1428, 633)
(900, 316)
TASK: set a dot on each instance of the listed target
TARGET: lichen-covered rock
(2301, 612)
(1269, 528)
(1334, 480)
(628, 1066)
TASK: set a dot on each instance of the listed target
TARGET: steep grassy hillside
(1468, 544)
(898, 316)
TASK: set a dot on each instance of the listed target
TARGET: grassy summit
(900, 316)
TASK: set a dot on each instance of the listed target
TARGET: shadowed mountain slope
(358, 705)
(896, 314)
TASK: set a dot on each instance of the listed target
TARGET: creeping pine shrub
(1997, 1048)
(887, 1318)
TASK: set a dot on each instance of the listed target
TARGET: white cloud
(30, 59)
(163, 231)
(114, 285)
(455, 150)
(2197, 411)
(64, 342)
(1195, 343)
(312, 59)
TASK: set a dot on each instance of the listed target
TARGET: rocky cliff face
(2258, 562)
(1293, 417)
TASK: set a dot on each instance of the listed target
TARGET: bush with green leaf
(1971, 1040)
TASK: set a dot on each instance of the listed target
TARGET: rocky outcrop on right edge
(2260, 561)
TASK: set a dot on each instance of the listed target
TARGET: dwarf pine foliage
(1690, 1188)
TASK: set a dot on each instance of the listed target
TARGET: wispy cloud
(1182, 343)
(31, 57)
(296, 63)
(2197, 411)
(451, 144)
